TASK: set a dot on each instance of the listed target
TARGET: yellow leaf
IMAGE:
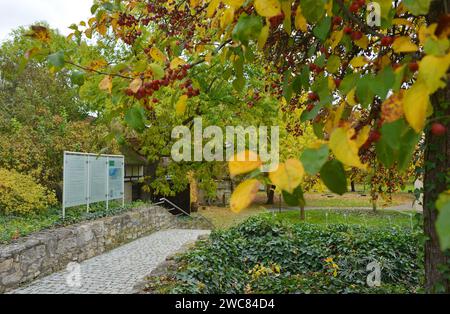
(336, 38)
(432, 70)
(268, 8)
(363, 136)
(244, 162)
(262, 39)
(404, 44)
(157, 55)
(404, 22)
(286, 8)
(288, 176)
(181, 105)
(135, 85)
(212, 8)
(331, 83)
(106, 84)
(244, 195)
(338, 114)
(300, 20)
(415, 105)
(234, 3)
(345, 149)
(392, 108)
(358, 62)
(176, 63)
(227, 17)
(351, 98)
(194, 3)
(427, 32)
(363, 42)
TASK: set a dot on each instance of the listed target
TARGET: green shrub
(21, 195)
(266, 256)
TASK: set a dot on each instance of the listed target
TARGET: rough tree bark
(437, 163)
(270, 194)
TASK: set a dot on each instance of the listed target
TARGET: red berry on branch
(310, 107)
(361, 3)
(438, 129)
(337, 82)
(356, 35)
(313, 96)
(337, 20)
(348, 30)
(354, 8)
(413, 66)
(387, 41)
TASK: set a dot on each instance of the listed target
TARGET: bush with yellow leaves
(21, 195)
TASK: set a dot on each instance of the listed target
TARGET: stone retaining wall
(46, 252)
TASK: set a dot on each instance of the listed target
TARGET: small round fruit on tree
(386, 41)
(438, 129)
(414, 66)
(357, 35)
(337, 20)
(354, 7)
(348, 30)
(337, 82)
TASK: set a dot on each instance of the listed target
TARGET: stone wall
(46, 252)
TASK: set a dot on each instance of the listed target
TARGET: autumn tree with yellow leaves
(380, 89)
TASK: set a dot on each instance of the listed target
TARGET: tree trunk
(437, 163)
(353, 186)
(270, 195)
(302, 213)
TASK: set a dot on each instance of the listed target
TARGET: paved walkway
(117, 271)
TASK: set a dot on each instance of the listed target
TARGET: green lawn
(353, 217)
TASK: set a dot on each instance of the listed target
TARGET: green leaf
(313, 10)
(333, 64)
(287, 86)
(57, 59)
(77, 78)
(94, 8)
(364, 90)
(443, 221)
(314, 159)
(322, 30)
(248, 27)
(417, 7)
(311, 115)
(333, 175)
(295, 199)
(348, 83)
(318, 130)
(397, 144)
(383, 82)
(157, 70)
(135, 118)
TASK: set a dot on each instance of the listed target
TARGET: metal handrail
(174, 205)
(162, 200)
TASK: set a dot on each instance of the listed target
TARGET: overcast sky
(58, 13)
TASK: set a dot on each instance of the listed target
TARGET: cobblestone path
(117, 271)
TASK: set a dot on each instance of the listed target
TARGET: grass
(15, 227)
(224, 218)
(407, 219)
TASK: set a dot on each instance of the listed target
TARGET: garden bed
(15, 227)
(264, 255)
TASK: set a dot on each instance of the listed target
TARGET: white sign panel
(97, 179)
(75, 184)
(90, 178)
